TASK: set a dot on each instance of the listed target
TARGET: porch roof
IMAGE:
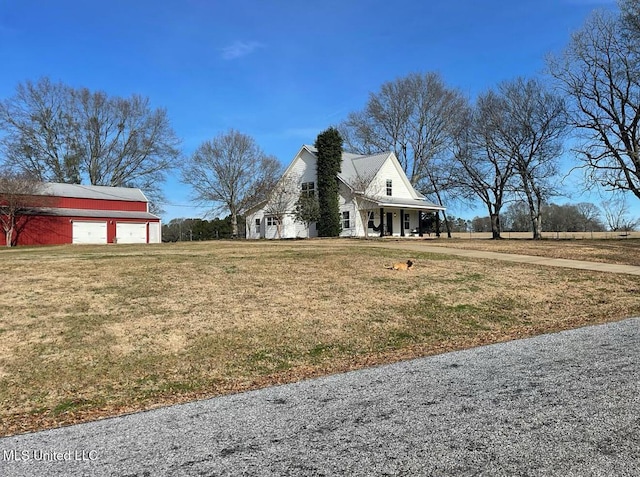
(401, 203)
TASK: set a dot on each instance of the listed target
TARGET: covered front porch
(404, 219)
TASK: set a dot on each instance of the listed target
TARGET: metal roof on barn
(80, 191)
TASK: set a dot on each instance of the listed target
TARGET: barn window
(345, 220)
(389, 187)
(308, 189)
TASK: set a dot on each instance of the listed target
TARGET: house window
(308, 189)
(257, 226)
(345, 220)
(389, 187)
(407, 222)
(272, 221)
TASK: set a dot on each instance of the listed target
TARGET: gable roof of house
(356, 166)
(363, 166)
(80, 191)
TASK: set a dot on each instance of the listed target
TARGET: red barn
(84, 214)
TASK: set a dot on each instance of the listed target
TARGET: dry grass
(88, 332)
(624, 251)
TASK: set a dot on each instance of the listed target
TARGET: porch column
(381, 221)
(401, 222)
(419, 223)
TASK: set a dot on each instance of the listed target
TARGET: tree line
(580, 217)
(501, 147)
(197, 229)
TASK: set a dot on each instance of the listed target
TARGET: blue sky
(279, 70)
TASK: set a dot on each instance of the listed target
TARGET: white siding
(413, 221)
(304, 168)
(298, 230)
(290, 228)
(250, 225)
(360, 225)
(376, 189)
(270, 231)
(346, 204)
(395, 222)
(399, 187)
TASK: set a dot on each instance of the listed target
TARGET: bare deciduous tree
(535, 124)
(630, 10)
(516, 217)
(590, 217)
(231, 173)
(480, 169)
(414, 117)
(123, 142)
(599, 71)
(515, 132)
(616, 214)
(62, 134)
(18, 200)
(38, 127)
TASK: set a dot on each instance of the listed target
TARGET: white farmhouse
(376, 199)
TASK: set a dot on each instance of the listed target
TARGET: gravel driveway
(565, 404)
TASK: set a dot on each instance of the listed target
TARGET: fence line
(547, 235)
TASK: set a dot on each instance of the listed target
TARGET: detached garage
(81, 214)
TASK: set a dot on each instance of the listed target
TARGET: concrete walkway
(509, 257)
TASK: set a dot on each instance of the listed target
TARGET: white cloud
(239, 49)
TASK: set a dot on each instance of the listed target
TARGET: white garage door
(89, 232)
(127, 232)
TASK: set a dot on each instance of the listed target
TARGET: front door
(389, 223)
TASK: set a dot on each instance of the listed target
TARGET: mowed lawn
(88, 332)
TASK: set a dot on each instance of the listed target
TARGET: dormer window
(389, 187)
(308, 189)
